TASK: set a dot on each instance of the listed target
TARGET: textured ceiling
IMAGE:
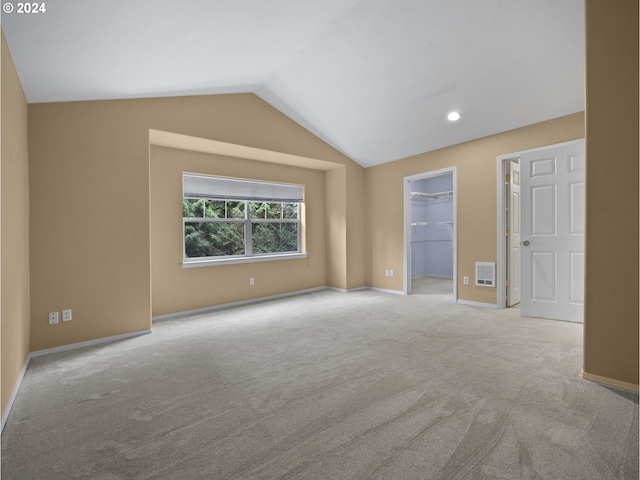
(374, 78)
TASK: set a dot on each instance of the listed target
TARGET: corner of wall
(14, 242)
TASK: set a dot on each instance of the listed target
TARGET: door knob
(525, 243)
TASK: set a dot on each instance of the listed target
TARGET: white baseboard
(361, 289)
(476, 304)
(336, 289)
(357, 289)
(345, 290)
(88, 343)
(386, 290)
(223, 306)
(609, 382)
(14, 392)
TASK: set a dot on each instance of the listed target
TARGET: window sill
(229, 261)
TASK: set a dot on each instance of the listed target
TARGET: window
(228, 219)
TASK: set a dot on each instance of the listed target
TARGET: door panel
(577, 208)
(543, 210)
(543, 277)
(576, 163)
(543, 167)
(577, 278)
(553, 226)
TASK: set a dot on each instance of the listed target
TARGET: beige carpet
(362, 385)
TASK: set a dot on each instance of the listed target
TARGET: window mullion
(248, 238)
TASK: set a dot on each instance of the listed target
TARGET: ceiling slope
(373, 78)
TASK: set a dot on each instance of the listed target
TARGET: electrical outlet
(53, 318)
(391, 273)
(465, 280)
(252, 281)
(67, 315)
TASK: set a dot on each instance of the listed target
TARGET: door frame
(501, 169)
(406, 218)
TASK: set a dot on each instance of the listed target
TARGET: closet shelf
(427, 196)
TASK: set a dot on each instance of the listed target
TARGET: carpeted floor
(363, 385)
(432, 286)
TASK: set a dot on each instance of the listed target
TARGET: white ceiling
(374, 78)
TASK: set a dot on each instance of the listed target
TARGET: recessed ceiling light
(453, 116)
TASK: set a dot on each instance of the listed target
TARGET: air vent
(485, 274)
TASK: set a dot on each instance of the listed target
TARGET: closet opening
(430, 234)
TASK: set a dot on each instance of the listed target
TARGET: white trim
(501, 161)
(14, 392)
(88, 343)
(471, 303)
(406, 182)
(336, 289)
(224, 306)
(386, 290)
(609, 382)
(346, 290)
(208, 262)
(357, 289)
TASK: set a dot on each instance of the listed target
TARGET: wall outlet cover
(67, 315)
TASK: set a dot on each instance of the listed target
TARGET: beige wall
(177, 289)
(15, 227)
(611, 290)
(336, 228)
(89, 179)
(356, 227)
(476, 187)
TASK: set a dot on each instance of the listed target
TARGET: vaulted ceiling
(373, 78)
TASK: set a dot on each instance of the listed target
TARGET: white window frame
(199, 186)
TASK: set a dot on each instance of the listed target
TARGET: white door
(513, 252)
(552, 220)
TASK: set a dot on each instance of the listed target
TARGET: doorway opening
(430, 234)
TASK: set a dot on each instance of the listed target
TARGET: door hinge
(508, 231)
(507, 177)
